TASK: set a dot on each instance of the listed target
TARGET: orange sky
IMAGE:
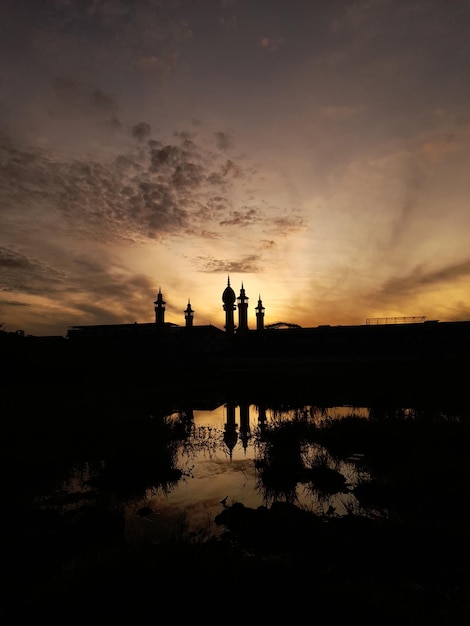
(318, 152)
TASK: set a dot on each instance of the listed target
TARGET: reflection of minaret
(230, 433)
(259, 315)
(262, 416)
(244, 425)
(188, 316)
(242, 311)
(228, 298)
(159, 309)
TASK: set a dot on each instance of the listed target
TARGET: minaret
(159, 309)
(228, 298)
(188, 315)
(259, 315)
(242, 311)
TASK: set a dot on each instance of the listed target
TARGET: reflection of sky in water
(217, 473)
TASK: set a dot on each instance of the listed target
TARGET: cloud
(149, 192)
(439, 148)
(87, 290)
(267, 244)
(247, 264)
(287, 224)
(119, 296)
(13, 303)
(241, 218)
(152, 190)
(71, 218)
(26, 274)
(141, 131)
(223, 140)
(420, 278)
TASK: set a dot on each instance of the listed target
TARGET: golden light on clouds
(316, 152)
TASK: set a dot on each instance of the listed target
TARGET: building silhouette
(377, 338)
(260, 353)
(242, 311)
(230, 303)
(229, 298)
(159, 309)
(259, 315)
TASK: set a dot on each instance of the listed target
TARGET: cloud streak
(423, 278)
(247, 264)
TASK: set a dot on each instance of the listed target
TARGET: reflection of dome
(230, 437)
(228, 297)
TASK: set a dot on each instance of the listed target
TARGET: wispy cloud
(22, 273)
(422, 277)
(244, 265)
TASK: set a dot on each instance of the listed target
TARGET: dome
(228, 297)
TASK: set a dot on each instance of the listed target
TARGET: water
(220, 462)
(220, 456)
(99, 485)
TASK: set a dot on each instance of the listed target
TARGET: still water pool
(220, 462)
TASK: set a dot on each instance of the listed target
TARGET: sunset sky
(317, 151)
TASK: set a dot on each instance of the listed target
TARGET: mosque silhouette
(173, 340)
(412, 354)
(389, 337)
(230, 303)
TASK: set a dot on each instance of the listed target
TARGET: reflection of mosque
(236, 427)
(231, 436)
(230, 430)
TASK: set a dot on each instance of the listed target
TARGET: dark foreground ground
(409, 567)
(272, 564)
